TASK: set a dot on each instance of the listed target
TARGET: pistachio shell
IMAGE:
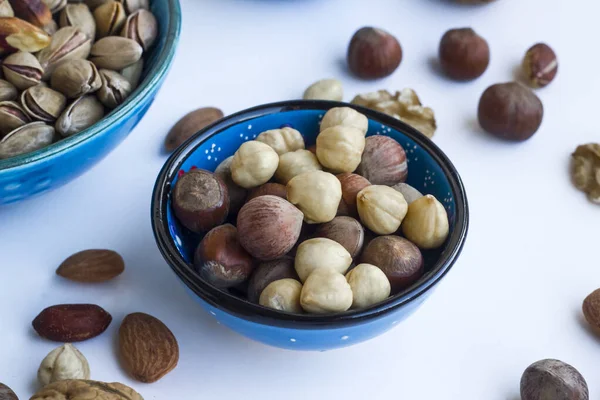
(115, 53)
(42, 103)
(132, 6)
(142, 27)
(81, 114)
(27, 138)
(12, 116)
(79, 16)
(115, 88)
(22, 70)
(75, 78)
(110, 18)
(8, 91)
(56, 5)
(133, 73)
(67, 43)
(6, 9)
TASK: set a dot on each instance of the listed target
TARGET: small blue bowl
(53, 166)
(429, 170)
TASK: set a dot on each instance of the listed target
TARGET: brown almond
(6, 393)
(69, 323)
(190, 124)
(92, 266)
(148, 348)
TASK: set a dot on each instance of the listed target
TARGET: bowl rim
(156, 74)
(253, 312)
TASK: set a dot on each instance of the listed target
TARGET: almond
(92, 266)
(6, 393)
(69, 323)
(148, 348)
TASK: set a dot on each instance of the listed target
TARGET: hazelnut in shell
(294, 163)
(346, 231)
(268, 227)
(426, 223)
(267, 272)
(464, 55)
(351, 185)
(282, 295)
(282, 140)
(381, 208)
(326, 291)
(591, 310)
(373, 53)
(410, 193)
(400, 260)
(237, 194)
(553, 380)
(317, 194)
(383, 161)
(221, 260)
(369, 285)
(344, 116)
(200, 200)
(274, 189)
(319, 253)
(340, 148)
(253, 164)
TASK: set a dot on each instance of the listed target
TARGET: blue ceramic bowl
(40, 171)
(429, 170)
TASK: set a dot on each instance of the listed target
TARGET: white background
(514, 296)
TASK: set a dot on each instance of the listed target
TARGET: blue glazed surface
(38, 172)
(428, 171)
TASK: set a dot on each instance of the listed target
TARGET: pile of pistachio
(65, 65)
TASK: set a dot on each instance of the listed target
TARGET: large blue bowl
(40, 171)
(429, 170)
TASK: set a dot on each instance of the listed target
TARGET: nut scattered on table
(426, 223)
(463, 54)
(540, 65)
(369, 285)
(553, 379)
(253, 164)
(317, 194)
(270, 271)
(344, 116)
(70, 323)
(383, 161)
(282, 295)
(282, 140)
(6, 393)
(78, 389)
(63, 363)
(96, 265)
(381, 208)
(591, 310)
(325, 89)
(326, 291)
(373, 53)
(190, 124)
(585, 170)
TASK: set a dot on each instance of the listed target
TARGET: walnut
(78, 389)
(586, 170)
(404, 105)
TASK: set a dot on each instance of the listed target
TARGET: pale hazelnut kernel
(64, 362)
(381, 208)
(317, 194)
(253, 164)
(318, 253)
(283, 295)
(295, 163)
(369, 285)
(340, 148)
(282, 140)
(345, 116)
(426, 223)
(326, 291)
(325, 89)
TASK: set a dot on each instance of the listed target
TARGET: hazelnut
(381, 208)
(326, 291)
(410, 193)
(317, 194)
(237, 194)
(283, 295)
(553, 380)
(426, 223)
(373, 53)
(253, 164)
(591, 310)
(267, 272)
(340, 148)
(325, 89)
(540, 65)
(62, 363)
(369, 285)
(344, 116)
(346, 231)
(295, 163)
(274, 189)
(282, 140)
(268, 227)
(383, 161)
(351, 185)
(510, 111)
(400, 260)
(221, 260)
(464, 55)
(318, 253)
(200, 200)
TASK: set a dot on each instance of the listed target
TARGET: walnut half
(404, 105)
(586, 170)
(78, 389)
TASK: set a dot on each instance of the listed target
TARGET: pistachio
(12, 116)
(68, 43)
(142, 27)
(110, 18)
(56, 5)
(81, 114)
(35, 12)
(43, 103)
(27, 138)
(22, 70)
(93, 4)
(79, 16)
(75, 78)
(132, 6)
(7, 91)
(115, 53)
(133, 73)
(16, 34)
(6, 9)
(114, 90)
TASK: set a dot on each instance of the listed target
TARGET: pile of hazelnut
(317, 230)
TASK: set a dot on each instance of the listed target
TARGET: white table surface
(514, 296)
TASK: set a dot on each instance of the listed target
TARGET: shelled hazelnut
(326, 291)
(381, 208)
(317, 194)
(426, 223)
(344, 116)
(294, 163)
(282, 140)
(340, 148)
(318, 253)
(253, 164)
(369, 285)
(282, 295)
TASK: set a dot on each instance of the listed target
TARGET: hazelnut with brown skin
(373, 53)
(237, 194)
(200, 200)
(383, 161)
(510, 111)
(464, 55)
(351, 185)
(346, 231)
(268, 227)
(274, 189)
(270, 271)
(221, 260)
(540, 65)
